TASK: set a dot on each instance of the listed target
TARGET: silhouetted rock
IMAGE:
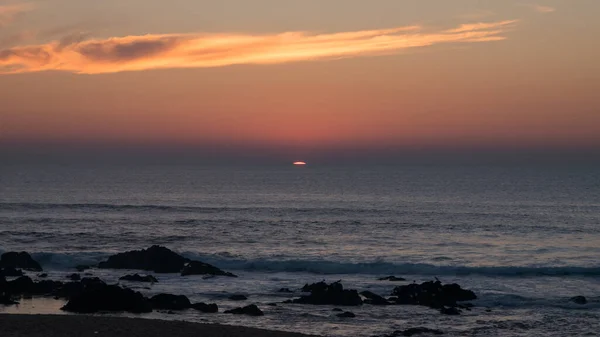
(170, 302)
(337, 309)
(82, 267)
(7, 300)
(139, 278)
(108, 298)
(284, 290)
(251, 310)
(579, 300)
(415, 331)
(42, 275)
(74, 277)
(346, 314)
(21, 285)
(92, 282)
(156, 258)
(201, 268)
(432, 294)
(20, 260)
(238, 297)
(71, 289)
(392, 278)
(452, 311)
(322, 293)
(206, 308)
(10, 272)
(374, 299)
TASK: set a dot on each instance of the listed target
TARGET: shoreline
(23, 325)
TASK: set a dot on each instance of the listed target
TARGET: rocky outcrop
(414, 331)
(201, 268)
(20, 260)
(139, 278)
(374, 299)
(156, 258)
(581, 300)
(346, 314)
(432, 294)
(74, 277)
(206, 308)
(108, 298)
(170, 302)
(238, 297)
(10, 272)
(7, 300)
(392, 278)
(250, 310)
(322, 293)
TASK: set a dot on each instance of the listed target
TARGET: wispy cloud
(541, 8)
(136, 53)
(8, 13)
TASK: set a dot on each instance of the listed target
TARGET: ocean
(525, 238)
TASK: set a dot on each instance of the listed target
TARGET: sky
(300, 78)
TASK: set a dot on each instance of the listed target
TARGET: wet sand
(84, 326)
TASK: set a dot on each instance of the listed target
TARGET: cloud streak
(541, 8)
(137, 53)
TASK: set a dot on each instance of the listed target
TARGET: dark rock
(92, 282)
(46, 287)
(11, 272)
(108, 298)
(20, 260)
(374, 299)
(251, 310)
(170, 302)
(74, 277)
(206, 308)
(7, 300)
(416, 331)
(329, 294)
(337, 309)
(272, 304)
(238, 297)
(81, 268)
(579, 300)
(201, 268)
(156, 258)
(346, 314)
(285, 290)
(432, 294)
(72, 289)
(21, 285)
(392, 278)
(139, 278)
(452, 311)
(42, 275)
(170, 312)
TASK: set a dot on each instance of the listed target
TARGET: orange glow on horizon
(299, 163)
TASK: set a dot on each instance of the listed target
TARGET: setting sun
(299, 163)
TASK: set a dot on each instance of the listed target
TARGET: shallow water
(525, 239)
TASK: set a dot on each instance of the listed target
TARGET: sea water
(524, 238)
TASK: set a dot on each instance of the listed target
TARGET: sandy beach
(80, 326)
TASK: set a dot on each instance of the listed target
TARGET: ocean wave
(235, 262)
(388, 268)
(168, 208)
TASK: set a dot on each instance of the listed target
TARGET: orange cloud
(136, 53)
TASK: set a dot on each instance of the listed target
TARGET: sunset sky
(300, 77)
